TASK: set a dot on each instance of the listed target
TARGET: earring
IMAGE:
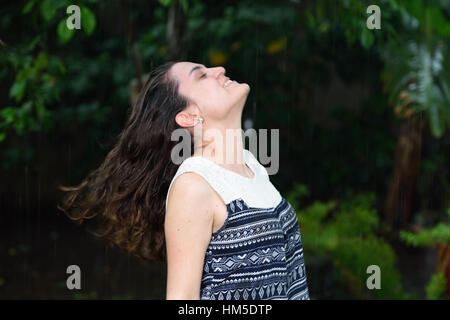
(200, 119)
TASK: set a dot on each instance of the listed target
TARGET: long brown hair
(127, 192)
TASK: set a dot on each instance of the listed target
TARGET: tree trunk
(176, 46)
(176, 32)
(399, 199)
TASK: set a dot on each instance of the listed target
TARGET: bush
(346, 234)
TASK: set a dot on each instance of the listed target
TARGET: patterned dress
(257, 254)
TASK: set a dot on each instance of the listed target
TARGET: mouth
(227, 83)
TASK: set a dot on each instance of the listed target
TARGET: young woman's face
(208, 90)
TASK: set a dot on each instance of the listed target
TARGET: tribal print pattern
(256, 255)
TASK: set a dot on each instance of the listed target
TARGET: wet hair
(126, 194)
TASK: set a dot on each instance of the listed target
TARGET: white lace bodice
(257, 192)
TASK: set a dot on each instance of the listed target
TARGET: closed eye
(203, 75)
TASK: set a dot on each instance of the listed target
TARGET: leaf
(414, 7)
(436, 287)
(32, 44)
(421, 71)
(367, 38)
(28, 7)
(437, 125)
(439, 22)
(165, 3)
(394, 4)
(9, 114)
(88, 21)
(64, 33)
(18, 90)
(48, 9)
(26, 108)
(41, 61)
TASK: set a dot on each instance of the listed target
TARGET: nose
(219, 71)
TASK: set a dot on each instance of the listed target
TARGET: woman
(223, 228)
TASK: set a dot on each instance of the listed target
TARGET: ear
(185, 119)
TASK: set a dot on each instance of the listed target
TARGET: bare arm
(188, 228)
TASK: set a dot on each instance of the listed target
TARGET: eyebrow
(196, 68)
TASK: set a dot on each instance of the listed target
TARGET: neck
(223, 144)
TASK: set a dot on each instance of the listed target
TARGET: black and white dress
(257, 254)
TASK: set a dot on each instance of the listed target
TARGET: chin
(244, 87)
(247, 88)
(242, 97)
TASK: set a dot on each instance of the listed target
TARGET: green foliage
(439, 234)
(346, 232)
(437, 286)
(426, 237)
(414, 76)
(31, 90)
(417, 67)
(88, 21)
(49, 8)
(367, 38)
(64, 33)
(28, 7)
(184, 4)
(412, 44)
(166, 2)
(37, 72)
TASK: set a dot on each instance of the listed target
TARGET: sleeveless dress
(257, 254)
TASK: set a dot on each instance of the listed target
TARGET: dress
(257, 254)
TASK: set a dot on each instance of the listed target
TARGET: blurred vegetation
(345, 231)
(439, 236)
(65, 94)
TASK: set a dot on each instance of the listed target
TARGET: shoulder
(190, 184)
(190, 199)
(190, 191)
